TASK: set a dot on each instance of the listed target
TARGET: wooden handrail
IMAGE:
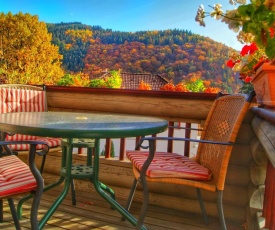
(172, 106)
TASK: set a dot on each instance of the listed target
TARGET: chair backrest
(222, 125)
(22, 98)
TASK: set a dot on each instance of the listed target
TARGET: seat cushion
(169, 165)
(50, 141)
(21, 100)
(15, 177)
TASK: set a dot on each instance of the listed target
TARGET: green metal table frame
(70, 125)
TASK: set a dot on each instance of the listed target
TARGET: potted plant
(255, 24)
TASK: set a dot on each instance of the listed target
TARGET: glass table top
(74, 124)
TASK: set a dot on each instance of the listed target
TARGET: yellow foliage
(28, 57)
(84, 35)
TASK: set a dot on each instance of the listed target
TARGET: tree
(83, 35)
(26, 53)
(114, 80)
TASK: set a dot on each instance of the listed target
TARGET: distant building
(133, 80)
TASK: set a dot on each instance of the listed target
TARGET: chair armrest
(42, 152)
(177, 127)
(180, 139)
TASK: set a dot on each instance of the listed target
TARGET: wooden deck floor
(92, 212)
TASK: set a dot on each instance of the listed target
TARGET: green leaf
(270, 48)
(246, 10)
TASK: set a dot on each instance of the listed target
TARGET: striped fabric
(51, 142)
(15, 177)
(23, 100)
(169, 165)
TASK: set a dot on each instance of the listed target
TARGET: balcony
(171, 207)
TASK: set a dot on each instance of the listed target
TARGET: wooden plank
(241, 155)
(122, 176)
(258, 152)
(266, 134)
(180, 109)
(93, 212)
(257, 173)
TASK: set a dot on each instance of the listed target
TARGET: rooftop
(133, 80)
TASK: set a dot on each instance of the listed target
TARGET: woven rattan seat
(214, 150)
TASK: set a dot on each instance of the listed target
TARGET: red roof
(133, 80)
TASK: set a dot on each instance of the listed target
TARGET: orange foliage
(194, 78)
(201, 58)
(144, 86)
(168, 87)
(181, 87)
(68, 46)
(212, 90)
(207, 83)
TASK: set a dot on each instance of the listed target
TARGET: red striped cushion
(20, 137)
(15, 177)
(21, 100)
(170, 165)
(51, 142)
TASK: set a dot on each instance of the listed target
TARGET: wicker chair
(17, 178)
(208, 170)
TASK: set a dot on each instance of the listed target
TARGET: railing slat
(170, 134)
(187, 143)
(122, 149)
(108, 148)
(269, 198)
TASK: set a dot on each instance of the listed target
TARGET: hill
(174, 54)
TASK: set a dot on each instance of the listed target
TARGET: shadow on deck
(93, 212)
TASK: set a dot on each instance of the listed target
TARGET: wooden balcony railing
(178, 107)
(246, 170)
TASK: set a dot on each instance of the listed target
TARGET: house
(133, 80)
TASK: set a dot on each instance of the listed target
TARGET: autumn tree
(26, 53)
(78, 79)
(113, 80)
(83, 35)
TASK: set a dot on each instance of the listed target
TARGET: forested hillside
(174, 54)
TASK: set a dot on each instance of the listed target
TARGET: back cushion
(21, 100)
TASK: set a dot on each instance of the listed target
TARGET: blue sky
(128, 15)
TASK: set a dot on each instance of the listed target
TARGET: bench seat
(25, 98)
(15, 177)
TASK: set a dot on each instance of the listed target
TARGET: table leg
(27, 197)
(68, 165)
(107, 197)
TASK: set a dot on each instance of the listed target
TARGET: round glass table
(71, 125)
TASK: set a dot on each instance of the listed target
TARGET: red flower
(230, 63)
(249, 49)
(247, 79)
(272, 32)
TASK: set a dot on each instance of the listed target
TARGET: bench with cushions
(25, 98)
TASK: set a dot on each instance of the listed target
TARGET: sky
(129, 15)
